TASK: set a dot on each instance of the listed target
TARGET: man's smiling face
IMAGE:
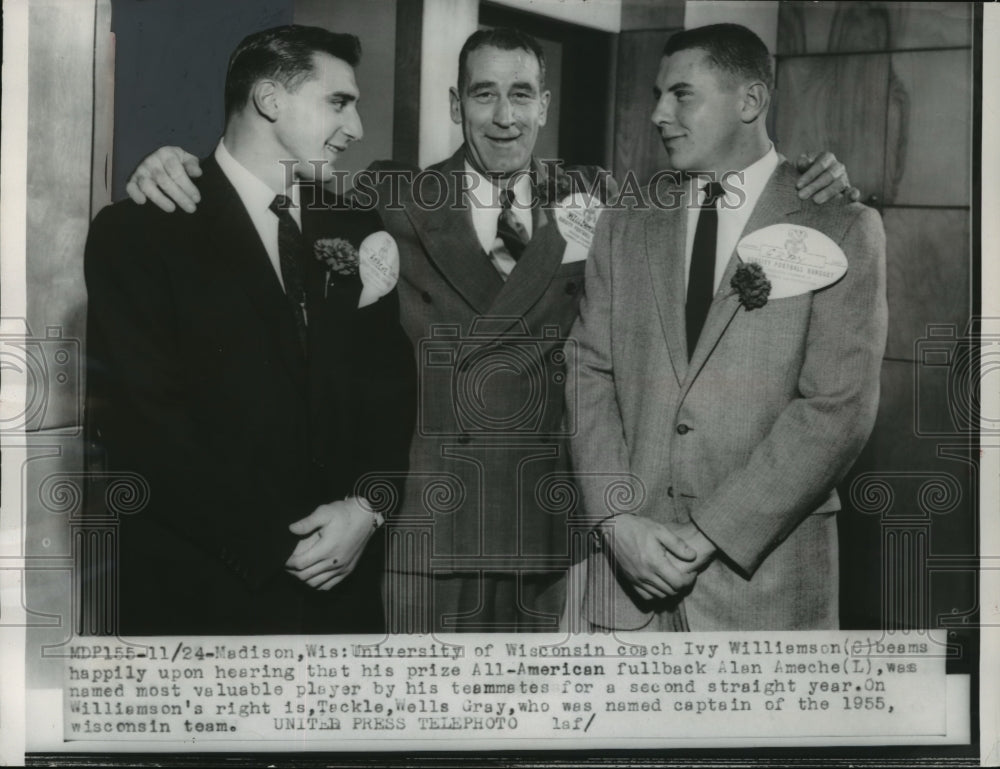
(500, 108)
(319, 117)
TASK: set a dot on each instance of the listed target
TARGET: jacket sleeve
(600, 454)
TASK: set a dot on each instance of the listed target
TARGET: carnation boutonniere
(339, 258)
(751, 285)
(553, 185)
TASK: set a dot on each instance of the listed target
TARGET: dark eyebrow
(344, 96)
(678, 86)
(524, 85)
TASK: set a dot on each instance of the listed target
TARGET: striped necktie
(509, 228)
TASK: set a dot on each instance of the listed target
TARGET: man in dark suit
(239, 377)
(488, 293)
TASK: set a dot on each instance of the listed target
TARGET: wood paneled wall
(888, 88)
(637, 144)
(646, 25)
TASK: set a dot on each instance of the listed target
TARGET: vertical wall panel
(927, 274)
(637, 143)
(931, 101)
(836, 103)
(60, 115)
(446, 24)
(848, 80)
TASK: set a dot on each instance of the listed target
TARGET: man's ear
(543, 113)
(266, 99)
(756, 98)
(456, 105)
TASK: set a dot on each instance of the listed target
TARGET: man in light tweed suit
(733, 422)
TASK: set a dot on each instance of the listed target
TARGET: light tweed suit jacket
(749, 438)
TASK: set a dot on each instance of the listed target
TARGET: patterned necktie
(701, 279)
(509, 228)
(289, 254)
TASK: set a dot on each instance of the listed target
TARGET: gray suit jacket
(749, 438)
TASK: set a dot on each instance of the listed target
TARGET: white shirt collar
(487, 194)
(255, 194)
(755, 178)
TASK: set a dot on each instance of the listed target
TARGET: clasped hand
(658, 560)
(333, 537)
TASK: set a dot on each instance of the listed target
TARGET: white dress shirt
(257, 197)
(484, 202)
(733, 217)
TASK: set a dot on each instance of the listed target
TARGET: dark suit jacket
(489, 455)
(197, 381)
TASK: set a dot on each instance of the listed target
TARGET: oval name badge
(378, 266)
(795, 259)
(576, 216)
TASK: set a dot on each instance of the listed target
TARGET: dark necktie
(289, 256)
(701, 278)
(509, 228)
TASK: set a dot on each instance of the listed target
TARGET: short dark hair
(730, 47)
(285, 54)
(506, 39)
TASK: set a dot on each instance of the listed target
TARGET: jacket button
(426, 297)
(464, 438)
(670, 491)
(683, 429)
(571, 288)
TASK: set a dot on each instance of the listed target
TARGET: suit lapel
(237, 243)
(331, 316)
(450, 242)
(533, 273)
(665, 234)
(778, 200)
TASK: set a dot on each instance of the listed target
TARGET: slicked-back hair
(284, 54)
(730, 47)
(506, 39)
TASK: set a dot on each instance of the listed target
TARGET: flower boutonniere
(752, 285)
(553, 185)
(339, 257)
